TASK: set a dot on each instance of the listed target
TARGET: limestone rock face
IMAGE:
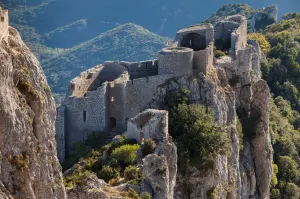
(269, 14)
(29, 168)
(160, 168)
(247, 172)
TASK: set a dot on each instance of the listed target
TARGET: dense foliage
(199, 138)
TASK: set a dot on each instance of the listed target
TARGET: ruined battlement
(231, 34)
(141, 69)
(4, 24)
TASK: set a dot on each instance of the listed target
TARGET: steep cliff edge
(29, 167)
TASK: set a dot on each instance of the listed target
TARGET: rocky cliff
(29, 168)
(237, 94)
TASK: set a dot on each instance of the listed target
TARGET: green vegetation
(219, 53)
(148, 147)
(110, 162)
(133, 175)
(198, 137)
(126, 154)
(261, 40)
(286, 144)
(83, 150)
(107, 173)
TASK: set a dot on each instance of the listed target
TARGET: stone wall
(81, 84)
(141, 69)
(203, 59)
(233, 33)
(140, 92)
(206, 30)
(85, 115)
(4, 25)
(60, 127)
(177, 61)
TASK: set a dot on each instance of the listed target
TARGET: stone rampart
(141, 69)
(140, 92)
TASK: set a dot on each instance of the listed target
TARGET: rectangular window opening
(84, 116)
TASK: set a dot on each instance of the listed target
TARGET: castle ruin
(105, 97)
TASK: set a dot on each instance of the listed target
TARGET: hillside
(128, 42)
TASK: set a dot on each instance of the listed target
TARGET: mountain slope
(128, 42)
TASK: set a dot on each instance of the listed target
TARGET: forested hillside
(281, 70)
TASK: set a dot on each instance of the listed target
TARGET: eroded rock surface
(29, 168)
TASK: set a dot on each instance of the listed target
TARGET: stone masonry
(103, 98)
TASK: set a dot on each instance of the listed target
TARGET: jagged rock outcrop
(264, 17)
(229, 89)
(160, 168)
(29, 168)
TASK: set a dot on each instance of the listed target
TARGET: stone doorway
(113, 124)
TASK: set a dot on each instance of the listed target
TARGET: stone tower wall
(177, 61)
(4, 25)
(141, 69)
(141, 91)
(116, 104)
(203, 59)
(85, 115)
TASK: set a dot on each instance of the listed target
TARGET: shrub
(131, 173)
(76, 178)
(126, 154)
(132, 194)
(199, 138)
(145, 195)
(219, 53)
(149, 147)
(275, 194)
(114, 181)
(23, 86)
(261, 40)
(212, 193)
(107, 173)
